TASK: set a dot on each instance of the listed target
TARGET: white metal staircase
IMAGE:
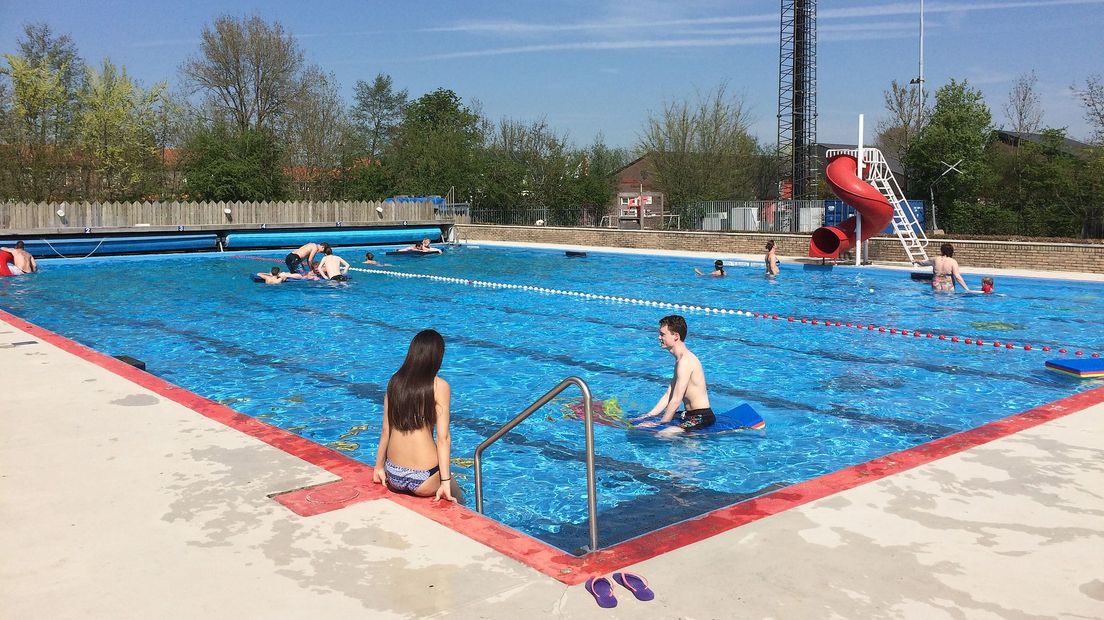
(905, 224)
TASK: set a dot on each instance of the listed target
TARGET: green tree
(38, 124)
(701, 150)
(437, 147)
(118, 124)
(959, 127)
(230, 165)
(594, 184)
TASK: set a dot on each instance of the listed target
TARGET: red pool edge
(355, 478)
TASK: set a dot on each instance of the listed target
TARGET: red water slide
(842, 177)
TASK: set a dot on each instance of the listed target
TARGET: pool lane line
(869, 327)
(356, 483)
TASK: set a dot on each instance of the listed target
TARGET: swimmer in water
(718, 270)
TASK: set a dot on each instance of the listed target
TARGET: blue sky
(600, 66)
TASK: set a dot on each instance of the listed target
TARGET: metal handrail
(588, 421)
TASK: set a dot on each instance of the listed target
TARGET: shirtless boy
(22, 259)
(278, 277)
(305, 254)
(687, 387)
(332, 267)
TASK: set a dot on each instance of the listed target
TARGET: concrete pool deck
(119, 502)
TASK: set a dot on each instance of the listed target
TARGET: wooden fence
(19, 216)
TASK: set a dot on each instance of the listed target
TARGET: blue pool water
(315, 359)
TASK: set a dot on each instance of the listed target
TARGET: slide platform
(842, 176)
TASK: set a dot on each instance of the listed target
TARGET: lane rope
(810, 322)
(47, 242)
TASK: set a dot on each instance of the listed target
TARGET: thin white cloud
(607, 45)
(510, 27)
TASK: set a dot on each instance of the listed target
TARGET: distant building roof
(1069, 145)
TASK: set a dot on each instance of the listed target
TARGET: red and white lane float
(869, 328)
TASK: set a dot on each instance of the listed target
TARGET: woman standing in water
(945, 271)
(771, 259)
(408, 459)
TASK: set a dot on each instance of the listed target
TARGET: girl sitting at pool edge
(408, 459)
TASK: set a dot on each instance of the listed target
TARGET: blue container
(836, 211)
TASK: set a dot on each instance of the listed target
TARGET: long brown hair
(410, 401)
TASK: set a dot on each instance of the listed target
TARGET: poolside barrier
(867, 327)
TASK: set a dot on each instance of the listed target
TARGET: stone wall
(1047, 256)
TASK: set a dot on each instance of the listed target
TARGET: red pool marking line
(267, 260)
(356, 478)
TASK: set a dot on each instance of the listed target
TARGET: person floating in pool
(305, 254)
(987, 286)
(22, 261)
(771, 259)
(423, 247)
(332, 267)
(718, 270)
(416, 403)
(945, 271)
(687, 387)
(370, 259)
(279, 277)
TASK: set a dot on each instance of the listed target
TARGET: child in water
(987, 285)
(718, 270)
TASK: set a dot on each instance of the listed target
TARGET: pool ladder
(588, 419)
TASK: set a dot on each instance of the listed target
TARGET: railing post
(588, 422)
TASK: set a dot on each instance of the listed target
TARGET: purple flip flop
(636, 584)
(602, 591)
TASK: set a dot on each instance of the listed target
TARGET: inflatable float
(412, 253)
(257, 278)
(6, 259)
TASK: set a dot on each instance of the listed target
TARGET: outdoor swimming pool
(315, 359)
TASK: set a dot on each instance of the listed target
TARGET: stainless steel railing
(588, 422)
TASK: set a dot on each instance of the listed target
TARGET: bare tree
(377, 111)
(1092, 99)
(247, 68)
(314, 129)
(702, 150)
(1023, 110)
(897, 131)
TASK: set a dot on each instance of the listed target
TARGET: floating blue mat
(412, 253)
(257, 278)
(1084, 368)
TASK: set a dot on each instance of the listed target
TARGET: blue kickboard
(1089, 367)
(741, 418)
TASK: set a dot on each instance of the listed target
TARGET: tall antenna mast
(797, 113)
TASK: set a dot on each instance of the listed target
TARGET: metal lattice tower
(797, 114)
